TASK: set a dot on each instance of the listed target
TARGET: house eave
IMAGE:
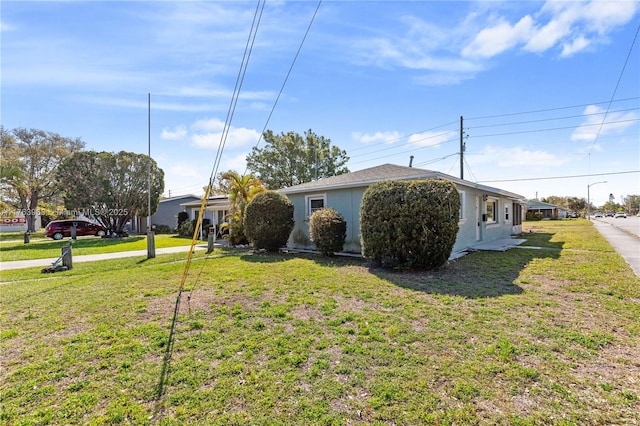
(310, 189)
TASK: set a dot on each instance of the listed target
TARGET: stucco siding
(167, 212)
(486, 212)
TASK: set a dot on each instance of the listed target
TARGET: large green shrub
(328, 230)
(268, 220)
(409, 224)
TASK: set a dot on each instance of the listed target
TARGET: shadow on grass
(266, 257)
(476, 275)
(541, 239)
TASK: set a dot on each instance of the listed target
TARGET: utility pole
(151, 244)
(461, 149)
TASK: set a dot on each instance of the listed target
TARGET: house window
(462, 204)
(315, 202)
(506, 213)
(517, 214)
(492, 210)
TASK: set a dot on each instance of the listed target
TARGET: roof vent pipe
(411, 161)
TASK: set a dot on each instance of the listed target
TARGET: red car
(58, 229)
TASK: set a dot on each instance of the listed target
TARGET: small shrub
(409, 224)
(328, 230)
(163, 229)
(186, 229)
(531, 216)
(182, 217)
(268, 220)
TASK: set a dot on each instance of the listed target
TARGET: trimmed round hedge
(409, 224)
(268, 220)
(328, 230)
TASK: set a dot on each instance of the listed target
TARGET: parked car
(58, 229)
(620, 214)
(608, 214)
(599, 215)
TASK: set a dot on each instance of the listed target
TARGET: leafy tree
(29, 161)
(632, 203)
(290, 159)
(110, 187)
(241, 190)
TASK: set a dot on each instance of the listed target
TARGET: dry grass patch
(523, 337)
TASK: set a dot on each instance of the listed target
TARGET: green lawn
(524, 337)
(42, 248)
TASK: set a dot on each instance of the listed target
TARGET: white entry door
(478, 222)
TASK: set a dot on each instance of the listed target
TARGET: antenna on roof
(411, 161)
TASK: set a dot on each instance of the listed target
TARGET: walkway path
(18, 264)
(626, 243)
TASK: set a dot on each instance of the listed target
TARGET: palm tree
(241, 189)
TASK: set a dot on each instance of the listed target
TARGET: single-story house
(166, 213)
(486, 213)
(550, 211)
(216, 209)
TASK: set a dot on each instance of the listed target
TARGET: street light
(589, 198)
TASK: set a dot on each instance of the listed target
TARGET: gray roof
(220, 201)
(535, 204)
(179, 197)
(384, 172)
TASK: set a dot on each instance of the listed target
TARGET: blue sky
(549, 91)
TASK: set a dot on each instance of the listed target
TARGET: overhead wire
(615, 90)
(286, 79)
(368, 156)
(239, 79)
(560, 177)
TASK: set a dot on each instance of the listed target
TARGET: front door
(478, 222)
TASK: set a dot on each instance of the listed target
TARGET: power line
(284, 83)
(404, 152)
(390, 140)
(556, 128)
(240, 78)
(559, 177)
(550, 119)
(613, 95)
(549, 109)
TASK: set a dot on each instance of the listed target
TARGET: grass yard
(527, 337)
(42, 248)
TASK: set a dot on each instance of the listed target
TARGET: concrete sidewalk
(19, 264)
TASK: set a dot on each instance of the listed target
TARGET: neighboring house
(216, 209)
(550, 211)
(166, 213)
(486, 213)
(15, 221)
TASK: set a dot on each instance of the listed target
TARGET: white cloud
(495, 40)
(591, 127)
(575, 25)
(518, 157)
(209, 124)
(208, 134)
(576, 45)
(377, 137)
(183, 170)
(430, 138)
(179, 133)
